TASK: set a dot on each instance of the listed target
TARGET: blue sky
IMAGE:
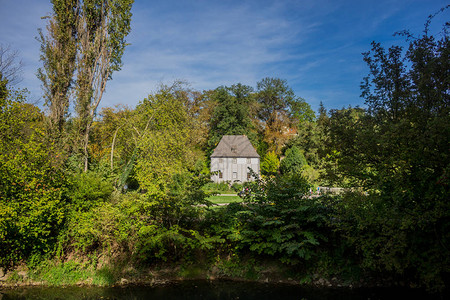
(315, 45)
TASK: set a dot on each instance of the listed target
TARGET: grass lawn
(224, 199)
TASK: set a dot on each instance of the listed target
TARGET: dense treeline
(129, 184)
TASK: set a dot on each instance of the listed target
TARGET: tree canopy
(397, 151)
(232, 113)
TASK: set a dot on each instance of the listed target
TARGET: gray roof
(234, 146)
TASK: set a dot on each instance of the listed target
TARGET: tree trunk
(112, 148)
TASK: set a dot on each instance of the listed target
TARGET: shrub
(87, 190)
(31, 185)
(270, 164)
(278, 220)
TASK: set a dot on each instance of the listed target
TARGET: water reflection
(211, 290)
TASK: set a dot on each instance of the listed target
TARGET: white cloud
(211, 45)
(315, 45)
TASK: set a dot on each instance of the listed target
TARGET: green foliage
(311, 139)
(232, 115)
(279, 112)
(270, 164)
(88, 190)
(237, 187)
(201, 167)
(113, 145)
(345, 130)
(67, 273)
(73, 272)
(294, 161)
(58, 54)
(87, 39)
(235, 267)
(15, 277)
(180, 207)
(152, 227)
(160, 244)
(301, 111)
(397, 151)
(218, 187)
(3, 91)
(277, 220)
(311, 174)
(31, 186)
(163, 144)
(275, 97)
(94, 229)
(107, 226)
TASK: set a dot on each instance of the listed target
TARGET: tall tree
(279, 111)
(294, 161)
(310, 135)
(270, 164)
(163, 138)
(58, 54)
(398, 152)
(102, 28)
(85, 38)
(201, 109)
(274, 96)
(232, 114)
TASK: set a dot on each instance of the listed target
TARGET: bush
(409, 246)
(87, 190)
(278, 219)
(31, 186)
(270, 164)
(217, 188)
(111, 225)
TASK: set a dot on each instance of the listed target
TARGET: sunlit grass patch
(224, 199)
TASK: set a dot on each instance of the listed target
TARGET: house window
(220, 175)
(249, 160)
(235, 160)
(234, 175)
(220, 160)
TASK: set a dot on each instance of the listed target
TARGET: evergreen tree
(294, 161)
(270, 164)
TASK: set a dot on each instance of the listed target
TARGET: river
(202, 290)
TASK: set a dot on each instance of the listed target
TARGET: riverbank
(83, 273)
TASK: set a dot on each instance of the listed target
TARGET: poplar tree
(58, 54)
(84, 45)
(102, 28)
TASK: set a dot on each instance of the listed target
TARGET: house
(232, 158)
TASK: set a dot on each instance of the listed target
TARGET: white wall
(228, 166)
